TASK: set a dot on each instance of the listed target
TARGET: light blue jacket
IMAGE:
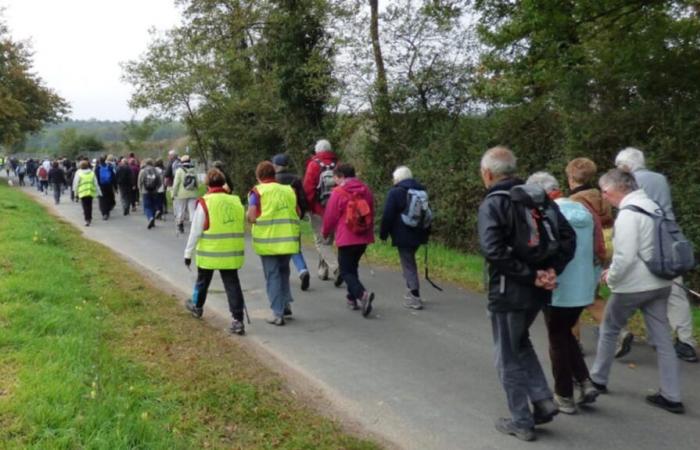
(578, 281)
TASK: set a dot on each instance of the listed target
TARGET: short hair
(402, 173)
(148, 162)
(545, 180)
(323, 145)
(499, 160)
(215, 178)
(581, 170)
(618, 179)
(84, 164)
(630, 157)
(54, 164)
(172, 152)
(344, 170)
(265, 169)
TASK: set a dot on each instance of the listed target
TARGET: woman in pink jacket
(350, 215)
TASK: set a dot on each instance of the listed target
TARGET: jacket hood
(410, 184)
(575, 213)
(354, 186)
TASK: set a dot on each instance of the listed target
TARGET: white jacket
(633, 242)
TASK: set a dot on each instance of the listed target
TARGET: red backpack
(358, 214)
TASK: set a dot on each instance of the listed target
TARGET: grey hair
(619, 180)
(545, 180)
(631, 158)
(323, 146)
(401, 173)
(499, 160)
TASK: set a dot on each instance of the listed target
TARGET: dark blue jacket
(401, 234)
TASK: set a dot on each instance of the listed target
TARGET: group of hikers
(545, 251)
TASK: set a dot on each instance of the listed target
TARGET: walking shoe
(274, 320)
(105, 217)
(506, 426)
(601, 388)
(587, 392)
(126, 212)
(337, 278)
(191, 307)
(685, 351)
(565, 405)
(322, 270)
(624, 344)
(237, 327)
(352, 304)
(87, 223)
(159, 214)
(287, 312)
(366, 303)
(151, 223)
(661, 402)
(305, 279)
(544, 411)
(412, 302)
(181, 228)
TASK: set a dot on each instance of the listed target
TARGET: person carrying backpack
(318, 185)
(349, 216)
(526, 243)
(149, 182)
(42, 174)
(185, 192)
(407, 218)
(106, 179)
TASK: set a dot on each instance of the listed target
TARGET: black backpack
(150, 179)
(534, 221)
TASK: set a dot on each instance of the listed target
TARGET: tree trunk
(381, 83)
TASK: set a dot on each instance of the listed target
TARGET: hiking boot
(181, 228)
(274, 320)
(624, 344)
(366, 303)
(191, 307)
(352, 304)
(660, 401)
(337, 278)
(685, 351)
(237, 327)
(151, 223)
(544, 411)
(412, 302)
(587, 392)
(506, 426)
(601, 388)
(287, 312)
(565, 405)
(322, 270)
(305, 279)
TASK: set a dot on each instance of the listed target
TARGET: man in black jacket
(125, 184)
(517, 290)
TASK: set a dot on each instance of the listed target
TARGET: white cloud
(78, 45)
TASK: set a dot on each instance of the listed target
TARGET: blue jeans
(150, 204)
(276, 269)
(299, 262)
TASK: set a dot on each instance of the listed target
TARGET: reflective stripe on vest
(86, 185)
(276, 230)
(222, 245)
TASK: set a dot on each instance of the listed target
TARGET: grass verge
(93, 356)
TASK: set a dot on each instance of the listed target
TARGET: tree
(72, 144)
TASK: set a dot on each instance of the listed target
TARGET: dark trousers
(44, 186)
(125, 198)
(57, 192)
(567, 360)
(106, 201)
(134, 197)
(232, 286)
(348, 263)
(161, 203)
(150, 204)
(86, 202)
(519, 369)
(21, 179)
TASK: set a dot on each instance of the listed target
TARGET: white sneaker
(566, 404)
(412, 302)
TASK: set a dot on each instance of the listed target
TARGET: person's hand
(604, 276)
(541, 279)
(188, 261)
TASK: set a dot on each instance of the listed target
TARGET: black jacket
(401, 234)
(511, 282)
(290, 178)
(124, 178)
(57, 176)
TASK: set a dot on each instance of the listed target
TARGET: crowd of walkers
(547, 248)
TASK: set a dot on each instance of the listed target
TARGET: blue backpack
(106, 174)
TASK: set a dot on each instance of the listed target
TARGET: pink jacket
(334, 216)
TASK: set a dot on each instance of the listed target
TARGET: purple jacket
(334, 216)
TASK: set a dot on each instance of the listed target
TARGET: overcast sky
(78, 45)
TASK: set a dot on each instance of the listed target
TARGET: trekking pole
(426, 270)
(687, 289)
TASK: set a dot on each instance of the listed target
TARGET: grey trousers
(618, 310)
(679, 315)
(409, 268)
(324, 246)
(519, 369)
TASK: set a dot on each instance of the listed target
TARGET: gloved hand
(188, 261)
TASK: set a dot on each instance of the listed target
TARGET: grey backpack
(673, 252)
(417, 213)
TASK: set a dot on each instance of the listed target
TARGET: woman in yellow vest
(272, 209)
(86, 187)
(217, 238)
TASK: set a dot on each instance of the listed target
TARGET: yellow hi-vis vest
(276, 230)
(222, 245)
(86, 184)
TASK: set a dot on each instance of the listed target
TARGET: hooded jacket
(179, 191)
(401, 234)
(594, 201)
(311, 176)
(334, 217)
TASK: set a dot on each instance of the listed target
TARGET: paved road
(421, 380)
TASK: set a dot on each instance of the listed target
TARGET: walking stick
(687, 289)
(426, 270)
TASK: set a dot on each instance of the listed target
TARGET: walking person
(518, 285)
(148, 182)
(217, 238)
(284, 175)
(169, 176)
(57, 179)
(160, 193)
(634, 287)
(42, 174)
(408, 229)
(318, 184)
(86, 188)
(575, 291)
(135, 170)
(21, 172)
(657, 189)
(272, 209)
(124, 181)
(185, 192)
(106, 179)
(349, 216)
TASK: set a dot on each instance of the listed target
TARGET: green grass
(93, 356)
